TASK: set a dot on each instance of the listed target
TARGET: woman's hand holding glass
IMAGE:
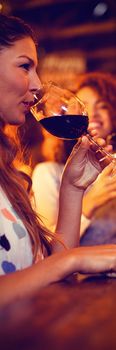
(82, 167)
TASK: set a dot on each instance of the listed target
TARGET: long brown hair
(12, 183)
(11, 30)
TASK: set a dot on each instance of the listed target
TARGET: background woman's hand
(94, 133)
(103, 190)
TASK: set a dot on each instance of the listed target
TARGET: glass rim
(44, 89)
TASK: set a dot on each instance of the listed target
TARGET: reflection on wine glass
(64, 115)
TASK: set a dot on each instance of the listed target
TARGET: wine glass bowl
(61, 113)
(64, 115)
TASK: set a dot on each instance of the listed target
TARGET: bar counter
(70, 315)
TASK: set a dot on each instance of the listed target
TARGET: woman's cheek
(107, 119)
(23, 84)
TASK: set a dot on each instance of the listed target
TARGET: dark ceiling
(81, 25)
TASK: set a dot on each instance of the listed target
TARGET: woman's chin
(18, 120)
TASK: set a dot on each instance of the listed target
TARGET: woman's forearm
(70, 207)
(30, 280)
(26, 282)
(56, 267)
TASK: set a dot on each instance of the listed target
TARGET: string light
(1, 7)
(100, 9)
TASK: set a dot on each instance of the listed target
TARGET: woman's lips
(27, 106)
(95, 125)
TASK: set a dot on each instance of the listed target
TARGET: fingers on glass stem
(105, 157)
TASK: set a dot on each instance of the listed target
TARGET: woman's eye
(25, 66)
(103, 106)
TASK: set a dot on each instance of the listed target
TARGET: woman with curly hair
(98, 91)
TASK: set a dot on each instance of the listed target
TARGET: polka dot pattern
(4, 243)
(15, 244)
(8, 214)
(19, 230)
(8, 267)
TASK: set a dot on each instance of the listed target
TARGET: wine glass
(64, 115)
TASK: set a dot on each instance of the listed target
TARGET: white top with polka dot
(15, 244)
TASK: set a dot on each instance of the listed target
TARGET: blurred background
(74, 36)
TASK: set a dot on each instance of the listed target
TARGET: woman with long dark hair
(30, 258)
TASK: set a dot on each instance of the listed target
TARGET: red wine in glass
(69, 127)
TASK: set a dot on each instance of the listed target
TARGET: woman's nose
(35, 83)
(91, 113)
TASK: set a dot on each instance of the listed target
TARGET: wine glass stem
(105, 154)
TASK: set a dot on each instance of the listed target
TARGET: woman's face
(18, 80)
(98, 111)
